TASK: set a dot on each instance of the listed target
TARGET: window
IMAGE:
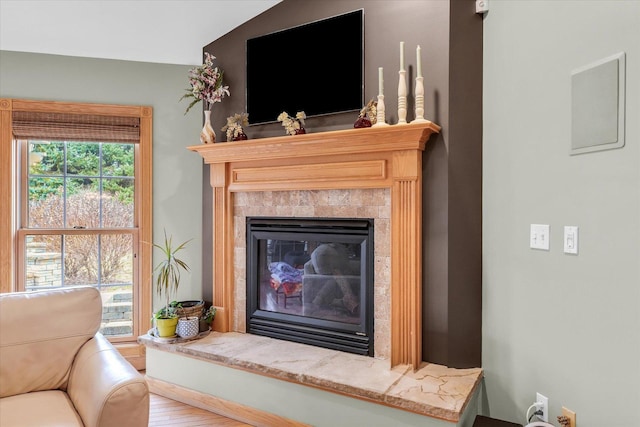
(80, 213)
(87, 187)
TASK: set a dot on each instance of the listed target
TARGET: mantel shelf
(411, 136)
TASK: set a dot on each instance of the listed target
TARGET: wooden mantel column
(222, 216)
(383, 157)
(406, 259)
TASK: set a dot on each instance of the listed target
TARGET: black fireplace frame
(354, 338)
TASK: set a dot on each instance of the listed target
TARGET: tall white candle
(419, 61)
(401, 55)
(380, 82)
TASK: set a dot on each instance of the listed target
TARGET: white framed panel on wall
(598, 105)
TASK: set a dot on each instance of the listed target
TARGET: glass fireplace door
(314, 279)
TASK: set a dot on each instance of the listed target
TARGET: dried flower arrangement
(367, 117)
(206, 84)
(293, 125)
(234, 126)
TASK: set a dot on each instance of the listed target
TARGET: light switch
(539, 236)
(570, 239)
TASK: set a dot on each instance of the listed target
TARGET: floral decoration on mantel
(234, 126)
(367, 117)
(206, 84)
(293, 125)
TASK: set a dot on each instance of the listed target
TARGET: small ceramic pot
(188, 327)
(166, 327)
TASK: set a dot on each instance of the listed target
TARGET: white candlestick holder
(419, 101)
(402, 98)
(380, 113)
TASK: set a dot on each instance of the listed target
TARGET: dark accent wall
(450, 36)
(465, 187)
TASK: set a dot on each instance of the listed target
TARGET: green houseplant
(206, 320)
(167, 283)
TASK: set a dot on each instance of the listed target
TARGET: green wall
(563, 325)
(177, 172)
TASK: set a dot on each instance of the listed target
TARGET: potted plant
(166, 321)
(367, 117)
(189, 308)
(235, 127)
(293, 125)
(207, 318)
(167, 283)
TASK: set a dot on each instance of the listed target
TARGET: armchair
(57, 369)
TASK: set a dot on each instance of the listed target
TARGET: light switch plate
(539, 237)
(570, 239)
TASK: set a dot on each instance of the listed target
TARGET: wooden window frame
(9, 187)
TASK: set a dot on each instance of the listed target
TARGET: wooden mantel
(377, 157)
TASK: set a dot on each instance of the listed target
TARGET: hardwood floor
(167, 412)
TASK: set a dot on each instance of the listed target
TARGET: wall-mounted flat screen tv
(315, 67)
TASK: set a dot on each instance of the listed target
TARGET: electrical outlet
(570, 415)
(543, 403)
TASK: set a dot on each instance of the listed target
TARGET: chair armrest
(105, 389)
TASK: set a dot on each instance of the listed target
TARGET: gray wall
(563, 325)
(177, 183)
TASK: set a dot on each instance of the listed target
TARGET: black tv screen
(316, 68)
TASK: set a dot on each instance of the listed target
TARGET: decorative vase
(300, 131)
(208, 135)
(241, 137)
(188, 327)
(362, 122)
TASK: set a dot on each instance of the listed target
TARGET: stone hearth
(431, 390)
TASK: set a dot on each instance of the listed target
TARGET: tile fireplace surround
(374, 173)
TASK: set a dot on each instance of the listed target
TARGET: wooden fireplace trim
(378, 157)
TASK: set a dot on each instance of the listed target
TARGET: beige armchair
(57, 369)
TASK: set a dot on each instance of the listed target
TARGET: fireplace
(310, 280)
(386, 158)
